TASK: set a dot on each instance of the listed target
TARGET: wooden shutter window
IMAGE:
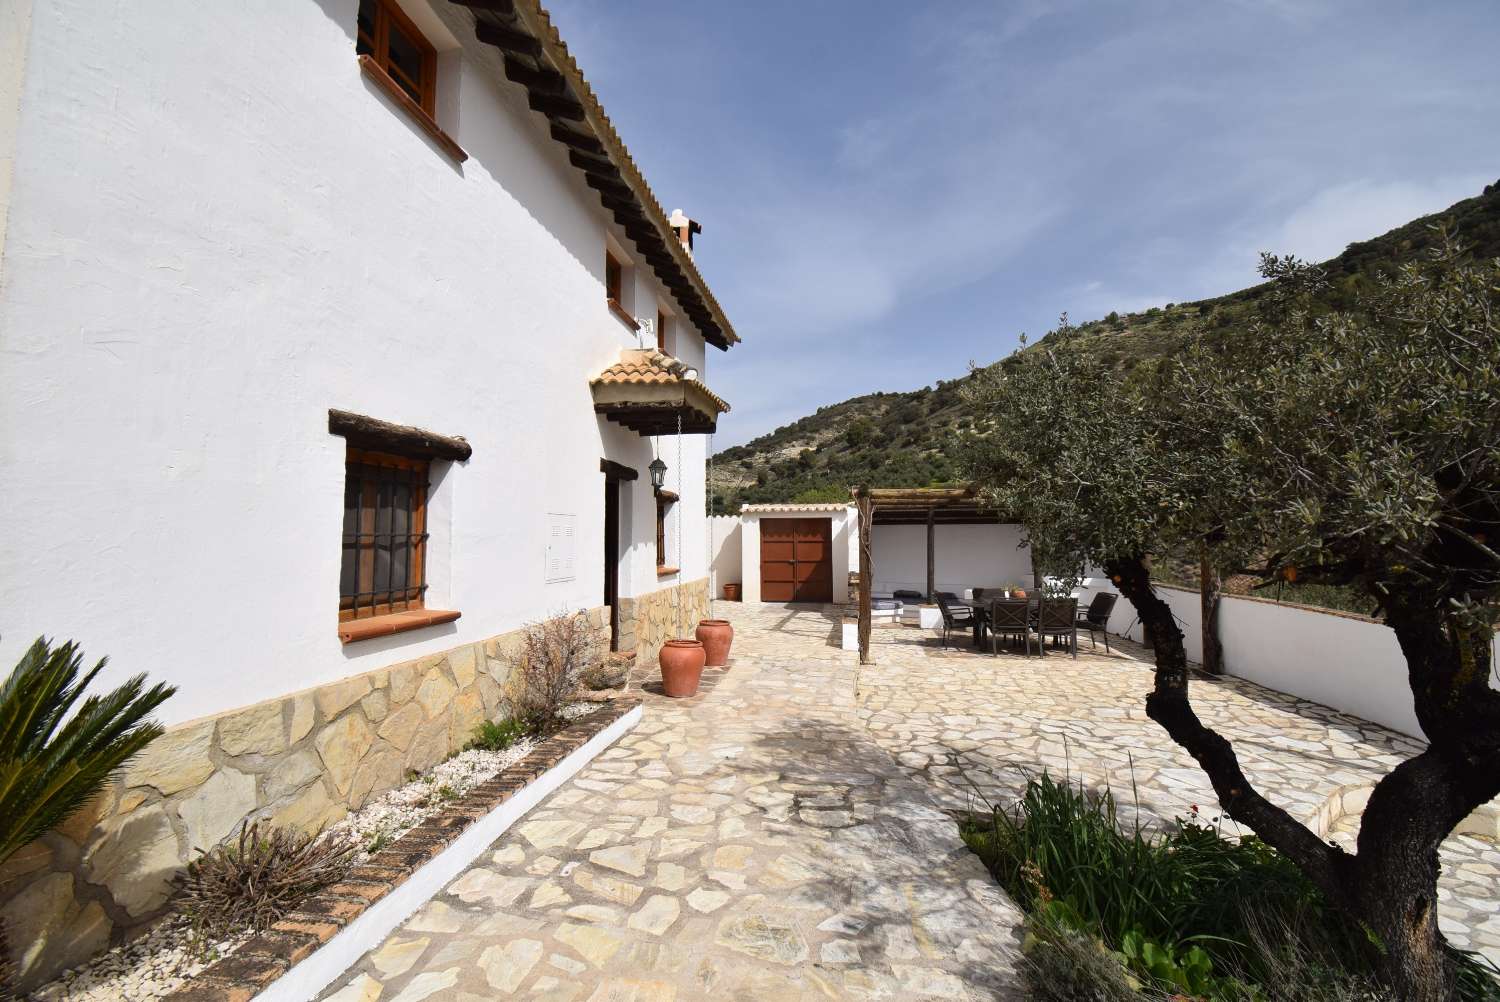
(612, 279)
(664, 502)
(389, 37)
(384, 564)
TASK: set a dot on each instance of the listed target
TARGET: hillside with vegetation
(904, 439)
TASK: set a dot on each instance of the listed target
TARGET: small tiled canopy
(648, 392)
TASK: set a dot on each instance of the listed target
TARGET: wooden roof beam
(507, 39)
(577, 140)
(542, 80)
(556, 106)
(506, 8)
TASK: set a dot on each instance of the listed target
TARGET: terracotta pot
(731, 593)
(716, 635)
(1018, 593)
(681, 667)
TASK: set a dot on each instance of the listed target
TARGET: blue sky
(889, 191)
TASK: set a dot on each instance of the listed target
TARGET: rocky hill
(897, 439)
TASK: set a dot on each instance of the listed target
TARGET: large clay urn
(716, 635)
(681, 667)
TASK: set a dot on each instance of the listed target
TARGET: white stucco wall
(208, 246)
(727, 537)
(1352, 665)
(844, 526)
(966, 556)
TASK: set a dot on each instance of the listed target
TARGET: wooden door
(796, 560)
(612, 558)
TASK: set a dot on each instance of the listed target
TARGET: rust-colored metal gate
(796, 560)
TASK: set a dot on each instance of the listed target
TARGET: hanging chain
(708, 552)
(681, 497)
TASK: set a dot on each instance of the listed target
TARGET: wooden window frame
(375, 65)
(614, 287)
(414, 590)
(664, 502)
(388, 12)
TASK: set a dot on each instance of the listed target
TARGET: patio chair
(1059, 618)
(954, 618)
(1012, 617)
(1097, 618)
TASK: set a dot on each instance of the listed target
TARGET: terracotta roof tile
(646, 366)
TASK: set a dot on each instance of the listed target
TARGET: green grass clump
(498, 735)
(1182, 911)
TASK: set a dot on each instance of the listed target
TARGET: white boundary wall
(966, 556)
(1351, 664)
(725, 540)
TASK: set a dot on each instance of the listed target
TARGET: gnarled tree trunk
(1390, 886)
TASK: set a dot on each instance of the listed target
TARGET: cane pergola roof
(917, 505)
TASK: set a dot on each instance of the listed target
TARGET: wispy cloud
(889, 190)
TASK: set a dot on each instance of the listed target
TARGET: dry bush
(250, 882)
(549, 665)
(607, 674)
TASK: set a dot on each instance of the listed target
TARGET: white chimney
(684, 228)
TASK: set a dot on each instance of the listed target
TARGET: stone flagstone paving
(783, 836)
(748, 844)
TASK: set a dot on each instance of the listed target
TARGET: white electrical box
(560, 547)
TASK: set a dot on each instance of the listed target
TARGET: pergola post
(866, 570)
(931, 555)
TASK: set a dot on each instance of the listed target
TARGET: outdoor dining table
(981, 610)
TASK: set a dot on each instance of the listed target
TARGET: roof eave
(536, 57)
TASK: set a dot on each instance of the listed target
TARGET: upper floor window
(614, 290)
(664, 333)
(385, 535)
(390, 38)
(614, 279)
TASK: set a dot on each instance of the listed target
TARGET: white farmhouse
(338, 340)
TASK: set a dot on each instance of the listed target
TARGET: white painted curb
(309, 977)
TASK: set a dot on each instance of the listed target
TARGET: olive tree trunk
(1210, 595)
(1390, 886)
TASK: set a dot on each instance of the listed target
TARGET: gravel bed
(148, 967)
(157, 963)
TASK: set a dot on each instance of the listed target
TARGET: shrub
(248, 883)
(549, 665)
(49, 768)
(53, 757)
(607, 674)
(1186, 909)
(498, 735)
(1060, 965)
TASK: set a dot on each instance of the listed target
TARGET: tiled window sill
(665, 572)
(372, 71)
(624, 317)
(397, 622)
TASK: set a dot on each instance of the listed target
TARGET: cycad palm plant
(53, 760)
(51, 763)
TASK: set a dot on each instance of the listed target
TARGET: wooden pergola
(929, 506)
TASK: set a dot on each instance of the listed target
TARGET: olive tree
(1357, 447)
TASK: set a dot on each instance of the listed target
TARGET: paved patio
(782, 835)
